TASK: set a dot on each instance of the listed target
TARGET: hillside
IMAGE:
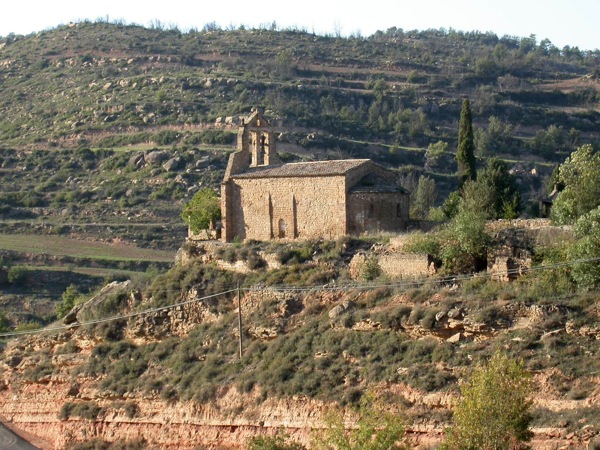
(81, 103)
(107, 130)
(140, 358)
(114, 89)
(77, 84)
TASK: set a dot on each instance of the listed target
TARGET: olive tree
(202, 209)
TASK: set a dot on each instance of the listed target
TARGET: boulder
(340, 309)
(136, 160)
(172, 164)
(203, 162)
(156, 157)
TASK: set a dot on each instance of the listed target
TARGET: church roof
(304, 169)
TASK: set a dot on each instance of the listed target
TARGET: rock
(89, 308)
(203, 162)
(172, 164)
(263, 332)
(71, 316)
(454, 339)
(456, 313)
(340, 309)
(137, 160)
(366, 325)
(156, 157)
(71, 359)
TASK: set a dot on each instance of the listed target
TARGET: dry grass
(64, 246)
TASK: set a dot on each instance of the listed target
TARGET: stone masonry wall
(406, 265)
(376, 212)
(288, 208)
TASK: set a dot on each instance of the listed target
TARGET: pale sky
(564, 22)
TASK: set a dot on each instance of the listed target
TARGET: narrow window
(281, 229)
(398, 210)
(370, 210)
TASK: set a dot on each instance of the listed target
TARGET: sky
(564, 22)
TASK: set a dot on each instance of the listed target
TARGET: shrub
(493, 412)
(99, 444)
(279, 442)
(70, 297)
(17, 275)
(375, 429)
(370, 269)
(84, 410)
(4, 323)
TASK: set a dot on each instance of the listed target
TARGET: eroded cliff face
(39, 377)
(227, 424)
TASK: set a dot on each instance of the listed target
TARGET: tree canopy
(587, 247)
(466, 145)
(493, 413)
(580, 175)
(495, 193)
(202, 209)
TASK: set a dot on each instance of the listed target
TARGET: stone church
(263, 199)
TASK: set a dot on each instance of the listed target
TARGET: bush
(375, 429)
(70, 297)
(99, 444)
(279, 442)
(4, 323)
(17, 275)
(493, 412)
(370, 269)
(84, 410)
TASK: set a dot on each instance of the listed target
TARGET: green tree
(495, 193)
(201, 210)
(493, 412)
(580, 175)
(425, 197)
(17, 275)
(70, 298)
(375, 429)
(587, 246)
(464, 242)
(466, 145)
(434, 154)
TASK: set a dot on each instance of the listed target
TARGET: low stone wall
(394, 265)
(406, 265)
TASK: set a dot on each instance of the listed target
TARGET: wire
(112, 318)
(326, 287)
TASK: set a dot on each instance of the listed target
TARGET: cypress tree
(466, 146)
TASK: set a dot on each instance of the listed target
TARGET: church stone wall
(287, 208)
(377, 211)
